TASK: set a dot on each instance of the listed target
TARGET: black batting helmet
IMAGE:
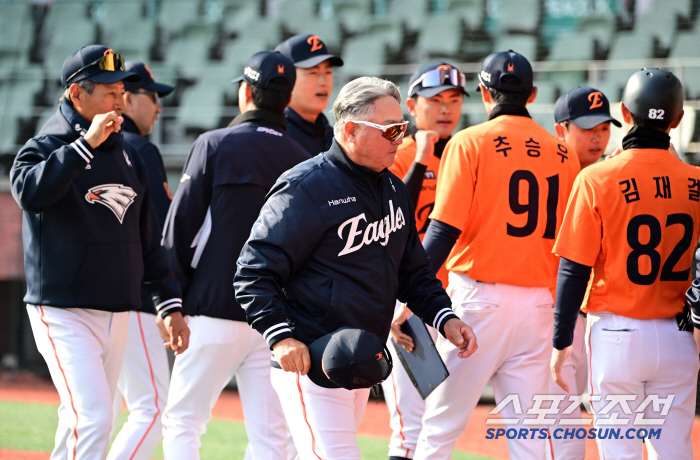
(654, 94)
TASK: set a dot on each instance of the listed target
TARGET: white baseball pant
(220, 349)
(143, 384)
(323, 421)
(513, 325)
(83, 350)
(644, 358)
(575, 373)
(406, 407)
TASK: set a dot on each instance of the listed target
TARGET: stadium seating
(441, 35)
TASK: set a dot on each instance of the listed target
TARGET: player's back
(648, 205)
(504, 184)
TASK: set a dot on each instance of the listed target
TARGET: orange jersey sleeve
(635, 219)
(504, 184)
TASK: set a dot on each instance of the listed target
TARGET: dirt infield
(29, 388)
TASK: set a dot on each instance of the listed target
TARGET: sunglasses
(150, 94)
(439, 76)
(392, 132)
(110, 62)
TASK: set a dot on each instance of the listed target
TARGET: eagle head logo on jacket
(116, 197)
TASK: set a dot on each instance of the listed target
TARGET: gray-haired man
(334, 246)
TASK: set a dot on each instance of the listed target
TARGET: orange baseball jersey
(504, 184)
(635, 219)
(405, 156)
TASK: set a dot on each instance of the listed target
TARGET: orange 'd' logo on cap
(315, 43)
(596, 100)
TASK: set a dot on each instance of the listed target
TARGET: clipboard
(424, 365)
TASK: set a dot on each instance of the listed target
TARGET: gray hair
(356, 100)
(87, 85)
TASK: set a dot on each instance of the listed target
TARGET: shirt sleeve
(283, 237)
(455, 185)
(572, 282)
(40, 178)
(580, 235)
(187, 213)
(418, 287)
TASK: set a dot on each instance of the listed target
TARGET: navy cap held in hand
(95, 63)
(147, 81)
(262, 67)
(498, 65)
(585, 107)
(349, 358)
(307, 51)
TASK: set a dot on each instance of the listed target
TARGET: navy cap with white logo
(307, 51)
(585, 107)
(434, 78)
(349, 358)
(498, 65)
(95, 63)
(263, 66)
(147, 81)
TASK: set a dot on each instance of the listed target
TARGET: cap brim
(335, 61)
(160, 88)
(113, 77)
(430, 92)
(237, 79)
(316, 373)
(591, 121)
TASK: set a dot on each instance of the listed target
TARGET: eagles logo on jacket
(335, 245)
(89, 230)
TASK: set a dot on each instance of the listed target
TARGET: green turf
(32, 427)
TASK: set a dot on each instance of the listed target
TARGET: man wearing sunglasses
(435, 94)
(334, 246)
(223, 186)
(143, 381)
(306, 122)
(91, 240)
(500, 200)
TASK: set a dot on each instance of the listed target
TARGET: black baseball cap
(434, 78)
(349, 358)
(95, 63)
(498, 65)
(147, 82)
(585, 107)
(307, 51)
(266, 65)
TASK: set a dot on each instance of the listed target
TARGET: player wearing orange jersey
(583, 120)
(435, 96)
(501, 195)
(634, 221)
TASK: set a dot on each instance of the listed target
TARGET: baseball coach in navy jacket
(91, 238)
(334, 246)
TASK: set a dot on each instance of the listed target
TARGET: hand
(615, 153)
(161, 329)
(102, 126)
(292, 355)
(557, 363)
(178, 334)
(461, 336)
(400, 318)
(425, 145)
(696, 336)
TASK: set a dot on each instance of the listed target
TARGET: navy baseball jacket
(314, 137)
(158, 181)
(226, 177)
(90, 232)
(335, 245)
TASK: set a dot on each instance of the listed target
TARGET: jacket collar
(338, 157)
(509, 109)
(128, 126)
(317, 129)
(261, 115)
(79, 126)
(640, 137)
